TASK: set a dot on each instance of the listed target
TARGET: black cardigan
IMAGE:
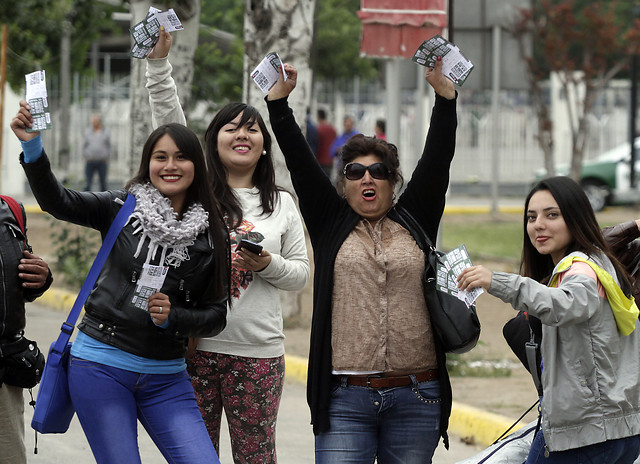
(330, 219)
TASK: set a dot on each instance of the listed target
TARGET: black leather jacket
(110, 318)
(12, 294)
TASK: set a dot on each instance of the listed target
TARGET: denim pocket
(79, 362)
(427, 392)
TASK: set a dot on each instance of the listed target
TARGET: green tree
(35, 30)
(586, 44)
(336, 52)
(217, 76)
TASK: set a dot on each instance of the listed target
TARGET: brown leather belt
(377, 381)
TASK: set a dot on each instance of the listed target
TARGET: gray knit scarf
(155, 219)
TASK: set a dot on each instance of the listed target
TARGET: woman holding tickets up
(377, 384)
(241, 371)
(590, 342)
(128, 359)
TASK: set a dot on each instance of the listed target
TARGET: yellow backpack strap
(624, 308)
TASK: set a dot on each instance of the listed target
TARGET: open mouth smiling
(242, 148)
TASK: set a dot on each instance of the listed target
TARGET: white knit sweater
(254, 323)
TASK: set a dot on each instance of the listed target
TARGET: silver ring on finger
(160, 309)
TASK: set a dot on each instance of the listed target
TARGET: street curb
(58, 299)
(478, 427)
(471, 424)
(448, 209)
(455, 209)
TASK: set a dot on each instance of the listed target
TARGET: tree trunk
(284, 27)
(182, 58)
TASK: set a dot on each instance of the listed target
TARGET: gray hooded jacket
(591, 372)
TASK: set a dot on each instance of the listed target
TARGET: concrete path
(295, 437)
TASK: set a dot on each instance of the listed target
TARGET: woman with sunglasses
(377, 386)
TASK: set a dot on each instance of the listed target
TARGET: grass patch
(463, 368)
(484, 239)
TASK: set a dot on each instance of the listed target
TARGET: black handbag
(523, 334)
(455, 324)
(21, 363)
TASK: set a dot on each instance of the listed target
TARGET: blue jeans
(398, 425)
(109, 401)
(92, 167)
(620, 451)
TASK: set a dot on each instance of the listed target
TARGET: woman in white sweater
(242, 369)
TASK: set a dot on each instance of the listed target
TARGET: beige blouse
(379, 318)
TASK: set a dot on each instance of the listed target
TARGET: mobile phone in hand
(249, 245)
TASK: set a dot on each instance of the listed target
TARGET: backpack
(19, 214)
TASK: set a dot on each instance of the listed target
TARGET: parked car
(606, 178)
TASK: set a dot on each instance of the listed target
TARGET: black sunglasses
(355, 171)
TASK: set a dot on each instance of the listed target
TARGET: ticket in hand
(266, 73)
(36, 96)
(145, 34)
(449, 269)
(455, 65)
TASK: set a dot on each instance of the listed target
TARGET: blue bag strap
(114, 230)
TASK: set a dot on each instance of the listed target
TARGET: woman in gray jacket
(590, 362)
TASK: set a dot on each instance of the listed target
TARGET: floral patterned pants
(249, 391)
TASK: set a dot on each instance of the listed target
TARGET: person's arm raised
(22, 121)
(163, 94)
(282, 88)
(424, 196)
(442, 85)
(162, 47)
(318, 198)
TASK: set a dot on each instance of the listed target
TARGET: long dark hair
(583, 226)
(264, 176)
(199, 191)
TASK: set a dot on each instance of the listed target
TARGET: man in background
(96, 150)
(326, 136)
(349, 125)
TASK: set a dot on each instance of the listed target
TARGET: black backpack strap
(21, 217)
(532, 348)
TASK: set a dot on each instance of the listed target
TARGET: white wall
(12, 179)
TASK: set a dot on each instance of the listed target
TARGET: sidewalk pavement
(471, 424)
(454, 205)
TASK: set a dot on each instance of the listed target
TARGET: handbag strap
(114, 230)
(416, 230)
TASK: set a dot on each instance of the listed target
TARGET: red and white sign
(395, 28)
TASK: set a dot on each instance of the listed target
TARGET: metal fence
(511, 136)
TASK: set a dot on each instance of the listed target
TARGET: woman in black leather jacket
(165, 280)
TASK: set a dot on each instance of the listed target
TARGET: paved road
(295, 438)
